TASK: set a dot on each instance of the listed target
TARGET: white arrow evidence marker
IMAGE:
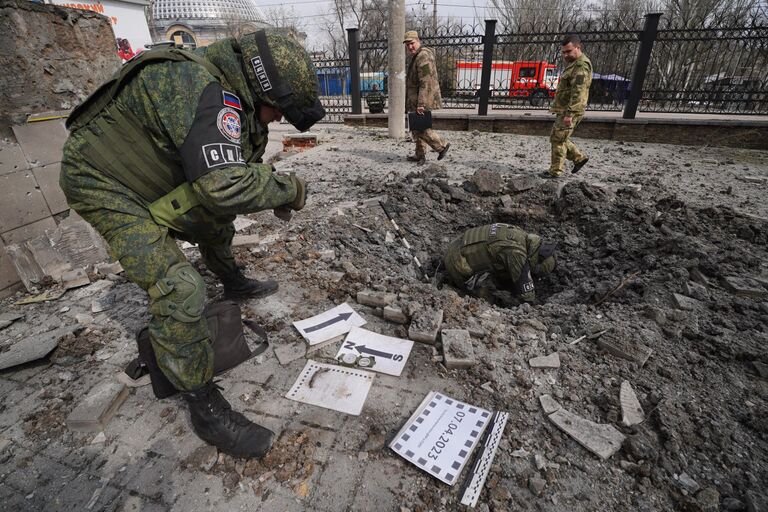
(390, 353)
(329, 324)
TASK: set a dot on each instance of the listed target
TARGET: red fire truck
(536, 80)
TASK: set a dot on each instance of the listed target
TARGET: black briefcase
(225, 326)
(419, 122)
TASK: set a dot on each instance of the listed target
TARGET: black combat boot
(578, 165)
(240, 287)
(214, 421)
(443, 151)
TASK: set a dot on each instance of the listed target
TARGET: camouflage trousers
(562, 146)
(428, 137)
(147, 251)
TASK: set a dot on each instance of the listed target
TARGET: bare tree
(285, 17)
(535, 16)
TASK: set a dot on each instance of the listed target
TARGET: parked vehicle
(534, 80)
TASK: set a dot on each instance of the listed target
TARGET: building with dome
(201, 22)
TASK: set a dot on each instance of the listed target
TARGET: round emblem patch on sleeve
(228, 123)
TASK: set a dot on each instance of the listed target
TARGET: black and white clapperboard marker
(390, 353)
(440, 435)
(329, 324)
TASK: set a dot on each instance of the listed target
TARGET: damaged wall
(52, 58)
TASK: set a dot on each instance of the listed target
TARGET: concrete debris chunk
(33, 347)
(7, 319)
(696, 290)
(600, 439)
(96, 410)
(549, 404)
(425, 326)
(487, 182)
(685, 303)
(47, 295)
(26, 267)
(521, 453)
(395, 314)
(457, 349)
(75, 278)
(631, 410)
(243, 240)
(506, 201)
(550, 361)
(698, 277)
(103, 303)
(688, 483)
(487, 386)
(109, 268)
(761, 369)
(290, 352)
(522, 182)
(375, 299)
(755, 179)
(637, 352)
(744, 287)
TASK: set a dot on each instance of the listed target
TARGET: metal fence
(647, 64)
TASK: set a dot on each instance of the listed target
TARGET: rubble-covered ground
(640, 223)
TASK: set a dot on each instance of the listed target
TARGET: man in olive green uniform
(170, 148)
(570, 101)
(422, 93)
(494, 258)
(375, 100)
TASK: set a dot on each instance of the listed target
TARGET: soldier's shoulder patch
(231, 100)
(228, 123)
(579, 80)
(425, 69)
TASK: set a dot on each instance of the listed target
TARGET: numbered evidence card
(440, 436)
(390, 354)
(329, 324)
(333, 387)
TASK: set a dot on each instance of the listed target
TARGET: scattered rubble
(631, 411)
(699, 372)
(425, 325)
(602, 440)
(457, 348)
(95, 410)
(549, 361)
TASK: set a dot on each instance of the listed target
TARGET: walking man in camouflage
(422, 93)
(169, 148)
(570, 101)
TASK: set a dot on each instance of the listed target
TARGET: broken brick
(375, 299)
(457, 349)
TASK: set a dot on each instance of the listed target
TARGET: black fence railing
(648, 64)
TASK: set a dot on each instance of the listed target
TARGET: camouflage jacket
(501, 250)
(422, 88)
(207, 130)
(573, 90)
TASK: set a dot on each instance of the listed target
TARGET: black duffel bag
(230, 348)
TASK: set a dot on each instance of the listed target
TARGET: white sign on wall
(128, 22)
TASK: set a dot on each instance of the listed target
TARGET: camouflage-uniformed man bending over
(498, 257)
(569, 104)
(171, 148)
(422, 93)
